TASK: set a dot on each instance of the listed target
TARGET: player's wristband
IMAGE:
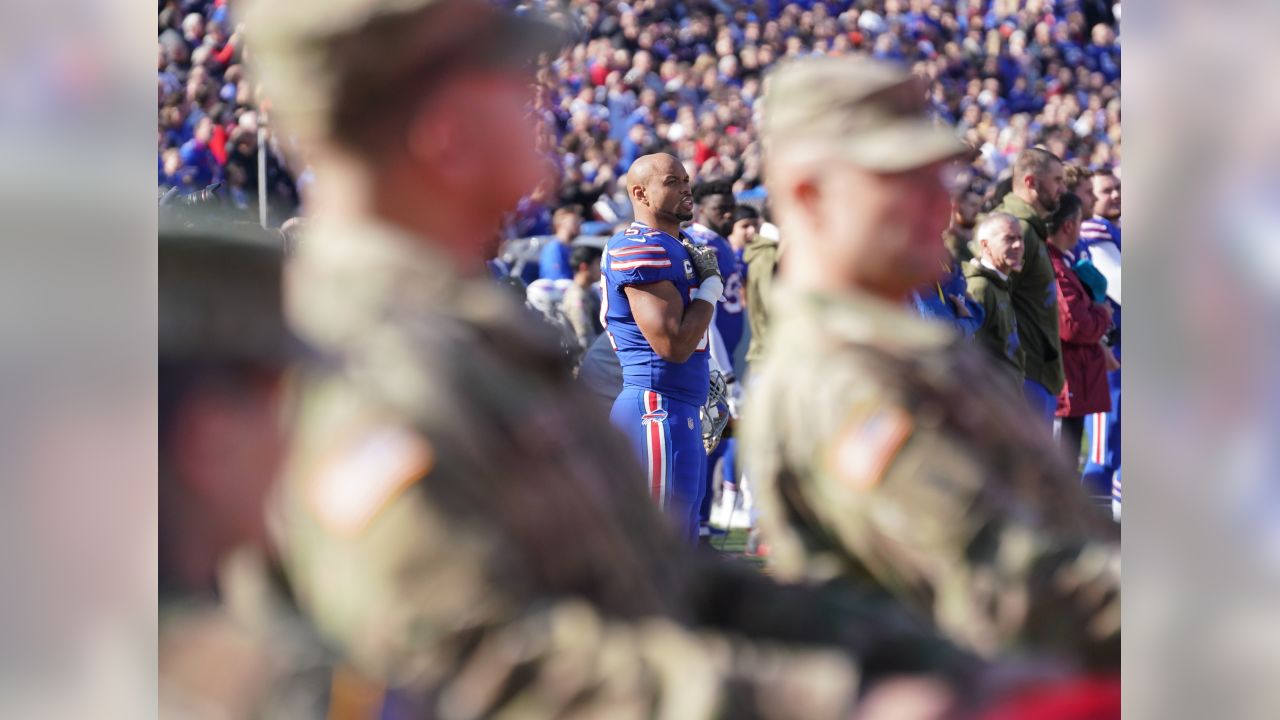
(710, 290)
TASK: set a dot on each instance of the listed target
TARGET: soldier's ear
(430, 136)
(808, 196)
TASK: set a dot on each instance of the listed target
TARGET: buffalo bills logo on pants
(666, 435)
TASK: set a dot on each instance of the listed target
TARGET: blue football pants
(1043, 403)
(725, 455)
(1103, 430)
(666, 435)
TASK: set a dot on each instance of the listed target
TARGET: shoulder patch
(865, 447)
(365, 473)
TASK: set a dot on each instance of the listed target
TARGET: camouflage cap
(321, 61)
(870, 112)
(220, 293)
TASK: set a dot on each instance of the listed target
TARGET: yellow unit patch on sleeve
(365, 474)
(867, 445)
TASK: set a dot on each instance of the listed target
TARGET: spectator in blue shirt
(1102, 54)
(633, 146)
(1022, 100)
(948, 300)
(196, 155)
(553, 263)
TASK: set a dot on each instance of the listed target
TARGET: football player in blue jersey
(660, 295)
(713, 212)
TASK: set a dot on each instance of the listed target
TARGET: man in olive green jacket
(1037, 185)
(999, 240)
(761, 256)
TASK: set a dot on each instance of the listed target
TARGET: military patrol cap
(873, 113)
(327, 63)
(220, 294)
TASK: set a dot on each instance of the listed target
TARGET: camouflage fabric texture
(459, 518)
(246, 654)
(888, 453)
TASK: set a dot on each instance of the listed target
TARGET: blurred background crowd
(685, 77)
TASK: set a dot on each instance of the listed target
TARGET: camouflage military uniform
(460, 519)
(1035, 299)
(230, 642)
(247, 654)
(886, 452)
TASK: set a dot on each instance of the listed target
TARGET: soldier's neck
(810, 273)
(348, 190)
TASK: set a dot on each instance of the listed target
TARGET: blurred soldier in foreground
(457, 516)
(886, 450)
(223, 348)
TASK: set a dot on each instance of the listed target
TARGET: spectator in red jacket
(1081, 325)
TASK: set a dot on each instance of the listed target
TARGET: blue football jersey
(731, 314)
(641, 255)
(1097, 230)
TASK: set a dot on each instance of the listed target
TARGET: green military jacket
(761, 257)
(999, 332)
(882, 450)
(459, 519)
(1035, 299)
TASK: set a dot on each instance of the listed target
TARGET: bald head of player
(661, 196)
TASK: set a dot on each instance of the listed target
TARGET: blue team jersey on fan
(1097, 230)
(641, 255)
(731, 315)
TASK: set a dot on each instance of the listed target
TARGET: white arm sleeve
(1106, 257)
(720, 358)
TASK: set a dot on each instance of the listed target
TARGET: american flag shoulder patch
(365, 473)
(868, 444)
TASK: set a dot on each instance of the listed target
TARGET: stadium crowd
(685, 76)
